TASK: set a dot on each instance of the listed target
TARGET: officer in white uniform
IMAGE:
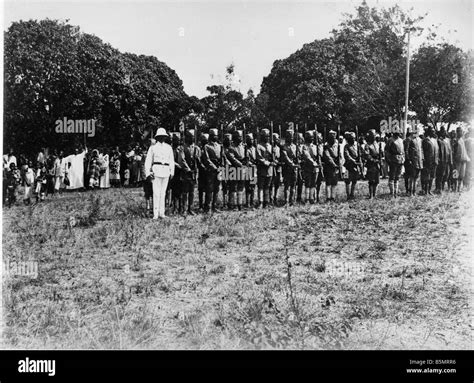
(159, 165)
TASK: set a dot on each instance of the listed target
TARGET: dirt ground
(379, 274)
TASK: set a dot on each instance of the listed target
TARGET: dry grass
(362, 275)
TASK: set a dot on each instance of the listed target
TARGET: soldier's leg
(407, 179)
(191, 197)
(328, 192)
(348, 190)
(299, 187)
(209, 192)
(215, 191)
(396, 181)
(353, 186)
(266, 191)
(276, 183)
(240, 194)
(286, 186)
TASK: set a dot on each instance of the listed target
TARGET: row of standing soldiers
(301, 162)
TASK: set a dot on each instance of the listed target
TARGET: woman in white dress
(105, 172)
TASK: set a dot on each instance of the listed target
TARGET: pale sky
(251, 34)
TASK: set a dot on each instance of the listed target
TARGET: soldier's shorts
(373, 175)
(319, 178)
(442, 172)
(309, 178)
(353, 176)
(289, 177)
(236, 186)
(428, 173)
(460, 168)
(202, 180)
(250, 186)
(148, 188)
(264, 183)
(276, 179)
(212, 185)
(188, 185)
(394, 171)
(331, 175)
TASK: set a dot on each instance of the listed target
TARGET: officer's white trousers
(159, 196)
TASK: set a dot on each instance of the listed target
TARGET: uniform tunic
(331, 164)
(289, 159)
(310, 164)
(372, 162)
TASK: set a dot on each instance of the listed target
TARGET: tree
(441, 78)
(52, 70)
(356, 74)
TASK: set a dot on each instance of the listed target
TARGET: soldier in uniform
(290, 165)
(445, 160)
(212, 161)
(188, 160)
(460, 159)
(277, 177)
(264, 168)
(331, 165)
(372, 156)
(414, 158)
(310, 166)
(202, 180)
(320, 177)
(236, 157)
(176, 184)
(395, 157)
(251, 163)
(352, 164)
(469, 143)
(430, 161)
(226, 141)
(159, 167)
(299, 178)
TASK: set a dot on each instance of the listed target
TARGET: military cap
(309, 133)
(276, 135)
(249, 135)
(265, 132)
(237, 133)
(213, 132)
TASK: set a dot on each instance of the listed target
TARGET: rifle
(245, 146)
(297, 150)
(339, 150)
(222, 147)
(359, 162)
(316, 138)
(271, 140)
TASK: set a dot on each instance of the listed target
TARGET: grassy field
(381, 274)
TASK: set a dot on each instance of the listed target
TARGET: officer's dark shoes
(190, 212)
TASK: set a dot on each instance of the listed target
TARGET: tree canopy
(52, 70)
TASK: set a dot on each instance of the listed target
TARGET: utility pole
(407, 86)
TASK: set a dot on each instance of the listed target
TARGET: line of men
(303, 162)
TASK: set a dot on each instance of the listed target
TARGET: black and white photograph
(238, 175)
